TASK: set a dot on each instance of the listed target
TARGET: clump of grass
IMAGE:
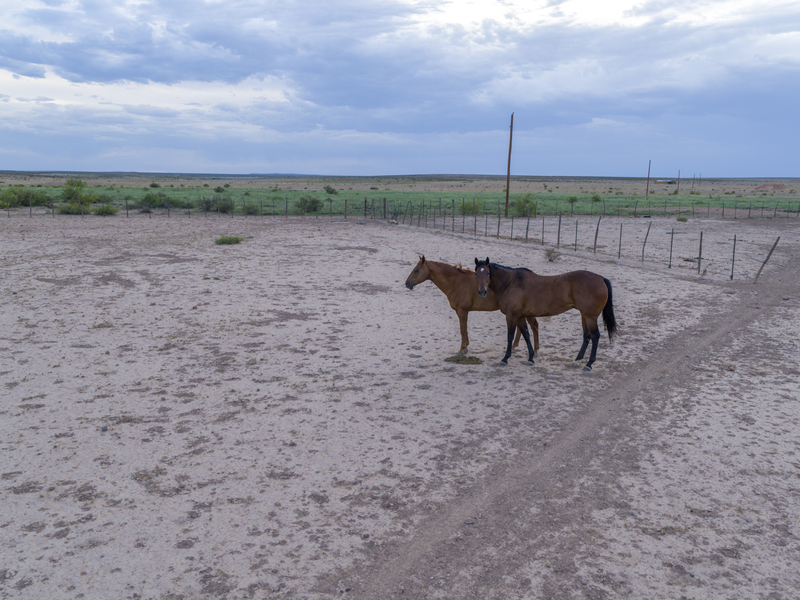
(552, 255)
(228, 239)
(682, 219)
(464, 360)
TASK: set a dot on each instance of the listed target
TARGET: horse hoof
(575, 363)
(587, 368)
(529, 363)
(502, 363)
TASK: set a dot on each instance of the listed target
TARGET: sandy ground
(275, 419)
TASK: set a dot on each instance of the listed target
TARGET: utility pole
(508, 175)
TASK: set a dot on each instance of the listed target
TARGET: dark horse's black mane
(495, 266)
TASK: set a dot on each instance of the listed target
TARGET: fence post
(512, 227)
(671, 239)
(596, 232)
(558, 235)
(576, 235)
(498, 220)
(528, 224)
(619, 252)
(645, 238)
(733, 260)
(700, 254)
(345, 211)
(475, 217)
(542, 230)
(126, 207)
(766, 259)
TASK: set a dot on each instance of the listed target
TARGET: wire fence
(695, 243)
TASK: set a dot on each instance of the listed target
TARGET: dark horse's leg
(523, 328)
(591, 332)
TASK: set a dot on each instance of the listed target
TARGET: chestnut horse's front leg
(462, 320)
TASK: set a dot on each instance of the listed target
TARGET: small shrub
(572, 199)
(523, 205)
(155, 185)
(309, 204)
(106, 210)
(219, 189)
(224, 204)
(552, 255)
(251, 209)
(596, 198)
(682, 219)
(228, 239)
(330, 190)
(73, 208)
(470, 208)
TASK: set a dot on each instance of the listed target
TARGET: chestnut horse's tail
(608, 313)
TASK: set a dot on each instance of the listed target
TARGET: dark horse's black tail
(608, 313)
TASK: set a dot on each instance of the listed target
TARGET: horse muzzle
(482, 293)
(409, 285)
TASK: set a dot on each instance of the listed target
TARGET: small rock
(104, 428)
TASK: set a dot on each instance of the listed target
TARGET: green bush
(223, 204)
(521, 206)
(219, 189)
(468, 208)
(228, 239)
(329, 189)
(251, 209)
(596, 198)
(155, 185)
(105, 210)
(309, 204)
(8, 198)
(73, 208)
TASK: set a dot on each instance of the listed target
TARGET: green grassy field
(389, 203)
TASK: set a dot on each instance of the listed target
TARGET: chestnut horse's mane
(462, 268)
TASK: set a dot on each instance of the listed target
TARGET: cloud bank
(394, 87)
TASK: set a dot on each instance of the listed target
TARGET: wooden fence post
(645, 238)
(700, 254)
(596, 232)
(766, 259)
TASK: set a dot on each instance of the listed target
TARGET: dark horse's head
(483, 270)
(419, 274)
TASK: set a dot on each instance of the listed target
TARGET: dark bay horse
(522, 294)
(461, 288)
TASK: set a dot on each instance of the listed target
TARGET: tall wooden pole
(508, 174)
(647, 191)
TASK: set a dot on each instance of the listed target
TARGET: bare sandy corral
(275, 419)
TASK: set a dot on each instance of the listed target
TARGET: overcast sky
(377, 87)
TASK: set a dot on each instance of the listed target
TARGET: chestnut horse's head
(419, 274)
(483, 270)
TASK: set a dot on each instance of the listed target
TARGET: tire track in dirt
(480, 545)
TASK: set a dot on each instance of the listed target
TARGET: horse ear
(422, 258)
(487, 260)
(476, 261)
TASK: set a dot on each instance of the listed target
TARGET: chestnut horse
(522, 294)
(461, 288)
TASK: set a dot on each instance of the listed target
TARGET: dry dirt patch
(276, 419)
